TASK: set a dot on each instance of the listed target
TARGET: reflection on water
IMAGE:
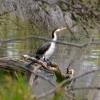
(17, 49)
(94, 54)
(61, 55)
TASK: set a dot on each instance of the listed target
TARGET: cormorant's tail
(28, 65)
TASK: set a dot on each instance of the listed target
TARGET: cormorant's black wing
(41, 50)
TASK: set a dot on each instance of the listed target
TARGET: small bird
(44, 52)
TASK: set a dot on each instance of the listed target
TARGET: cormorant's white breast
(48, 48)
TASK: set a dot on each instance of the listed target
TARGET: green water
(14, 28)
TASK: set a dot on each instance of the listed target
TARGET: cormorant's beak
(63, 28)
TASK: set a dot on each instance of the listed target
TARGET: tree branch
(8, 62)
(59, 42)
(70, 79)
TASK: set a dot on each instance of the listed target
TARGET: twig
(76, 77)
(67, 80)
(81, 88)
(46, 94)
(71, 57)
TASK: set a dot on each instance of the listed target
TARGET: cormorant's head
(57, 30)
(60, 29)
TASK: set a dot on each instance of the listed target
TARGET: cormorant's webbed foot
(28, 65)
(48, 62)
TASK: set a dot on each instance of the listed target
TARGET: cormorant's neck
(54, 36)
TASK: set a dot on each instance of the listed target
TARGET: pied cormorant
(44, 52)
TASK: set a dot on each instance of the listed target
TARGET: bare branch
(6, 62)
(46, 94)
(60, 42)
(76, 77)
(82, 88)
(53, 68)
(73, 78)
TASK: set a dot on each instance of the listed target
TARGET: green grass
(13, 89)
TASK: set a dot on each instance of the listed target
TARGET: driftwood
(11, 64)
(53, 68)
